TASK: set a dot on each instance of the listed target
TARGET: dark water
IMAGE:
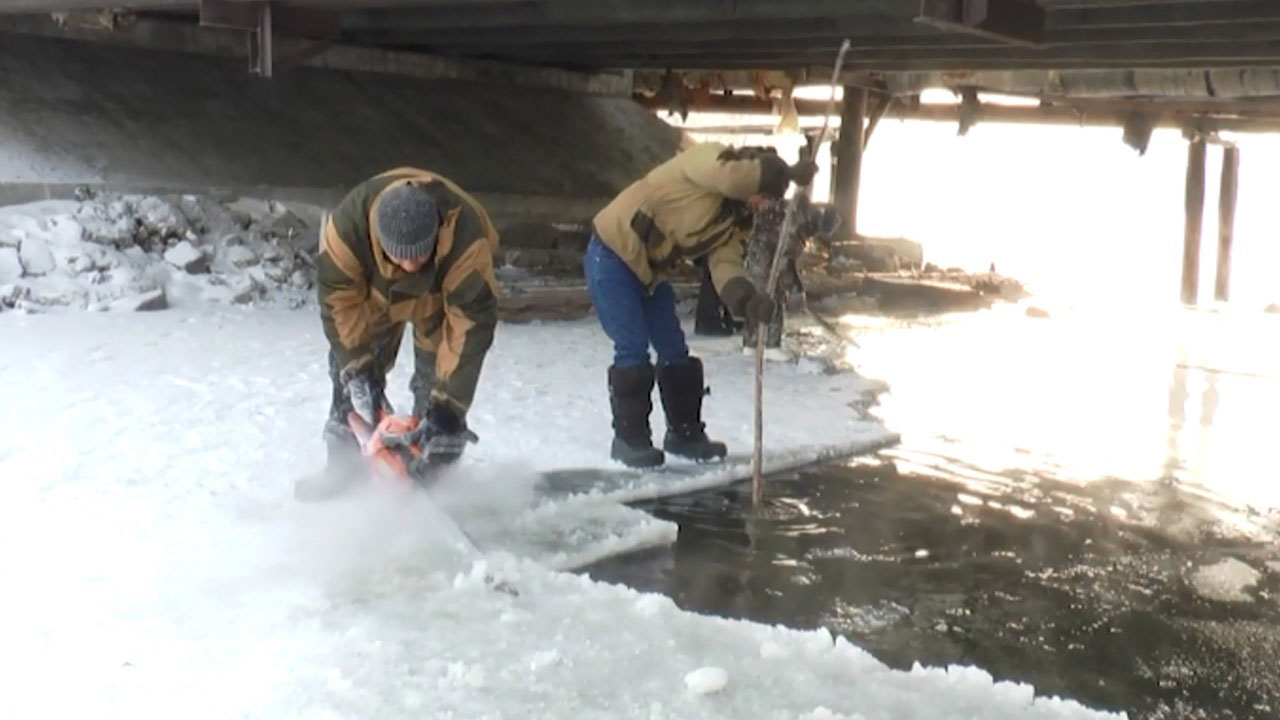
(1058, 513)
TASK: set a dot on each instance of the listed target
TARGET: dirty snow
(156, 563)
(104, 249)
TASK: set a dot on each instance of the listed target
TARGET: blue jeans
(631, 316)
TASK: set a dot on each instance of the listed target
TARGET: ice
(1225, 581)
(10, 265)
(156, 563)
(35, 256)
(186, 257)
(108, 248)
(706, 680)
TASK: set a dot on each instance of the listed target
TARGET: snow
(1225, 581)
(706, 680)
(156, 563)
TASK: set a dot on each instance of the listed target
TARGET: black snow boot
(631, 397)
(682, 388)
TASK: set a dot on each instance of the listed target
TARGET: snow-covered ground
(156, 565)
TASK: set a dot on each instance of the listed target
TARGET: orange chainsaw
(398, 464)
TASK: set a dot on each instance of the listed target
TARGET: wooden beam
(1011, 21)
(1226, 219)
(794, 36)
(1194, 207)
(1211, 54)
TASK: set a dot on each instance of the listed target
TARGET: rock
(153, 300)
(300, 279)
(135, 256)
(232, 239)
(244, 292)
(287, 225)
(187, 257)
(35, 256)
(82, 264)
(1273, 308)
(272, 252)
(276, 273)
(241, 256)
(11, 294)
(156, 221)
(10, 265)
(1036, 312)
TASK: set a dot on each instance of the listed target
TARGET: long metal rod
(757, 459)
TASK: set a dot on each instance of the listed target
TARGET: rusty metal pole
(848, 157)
(1226, 219)
(1194, 219)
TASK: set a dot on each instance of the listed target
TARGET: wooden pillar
(1226, 219)
(848, 158)
(1195, 218)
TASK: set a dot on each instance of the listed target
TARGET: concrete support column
(1194, 221)
(1226, 219)
(848, 157)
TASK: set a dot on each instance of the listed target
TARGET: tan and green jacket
(452, 300)
(689, 207)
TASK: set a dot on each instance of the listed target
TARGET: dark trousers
(633, 317)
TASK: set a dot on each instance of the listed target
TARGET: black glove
(441, 430)
(802, 172)
(744, 301)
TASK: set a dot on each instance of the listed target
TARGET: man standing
(407, 246)
(809, 221)
(698, 204)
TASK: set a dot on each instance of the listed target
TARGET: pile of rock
(133, 252)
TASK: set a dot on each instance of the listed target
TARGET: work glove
(441, 433)
(802, 172)
(366, 398)
(745, 301)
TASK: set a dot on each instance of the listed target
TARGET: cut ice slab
(627, 484)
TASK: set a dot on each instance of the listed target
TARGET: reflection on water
(1088, 507)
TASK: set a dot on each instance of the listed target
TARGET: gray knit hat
(407, 219)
